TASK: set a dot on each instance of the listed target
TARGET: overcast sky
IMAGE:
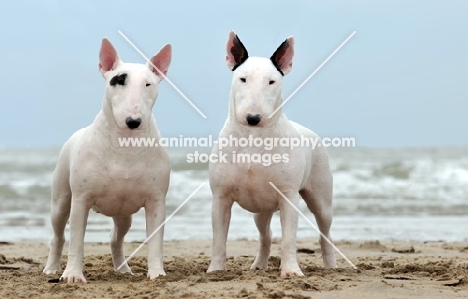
(402, 80)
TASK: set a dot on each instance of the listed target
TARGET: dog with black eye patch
(95, 171)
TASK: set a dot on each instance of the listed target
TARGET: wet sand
(385, 270)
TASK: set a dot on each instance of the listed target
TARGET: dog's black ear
(236, 53)
(282, 58)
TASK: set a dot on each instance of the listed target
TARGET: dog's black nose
(253, 120)
(133, 123)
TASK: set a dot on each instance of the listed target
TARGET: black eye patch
(118, 80)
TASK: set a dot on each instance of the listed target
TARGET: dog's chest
(248, 184)
(121, 195)
(249, 187)
(116, 188)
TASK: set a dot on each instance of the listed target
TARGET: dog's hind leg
(263, 220)
(60, 212)
(121, 227)
(318, 198)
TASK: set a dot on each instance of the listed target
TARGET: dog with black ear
(301, 172)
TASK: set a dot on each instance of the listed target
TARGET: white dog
(255, 94)
(94, 171)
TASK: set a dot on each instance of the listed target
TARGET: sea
(401, 194)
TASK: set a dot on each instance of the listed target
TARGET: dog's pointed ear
(283, 56)
(236, 53)
(108, 58)
(159, 63)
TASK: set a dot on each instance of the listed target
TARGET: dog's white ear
(161, 61)
(108, 58)
(236, 53)
(283, 56)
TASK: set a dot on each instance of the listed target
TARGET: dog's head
(131, 89)
(257, 81)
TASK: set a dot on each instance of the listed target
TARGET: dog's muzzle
(133, 123)
(253, 120)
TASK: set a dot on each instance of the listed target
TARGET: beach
(384, 270)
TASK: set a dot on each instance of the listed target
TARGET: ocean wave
(369, 184)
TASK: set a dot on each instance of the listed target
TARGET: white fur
(306, 175)
(93, 171)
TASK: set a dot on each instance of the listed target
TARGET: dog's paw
(291, 271)
(217, 264)
(214, 267)
(49, 270)
(329, 262)
(124, 269)
(153, 274)
(73, 276)
(263, 265)
(52, 266)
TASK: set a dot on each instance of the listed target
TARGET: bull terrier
(94, 171)
(255, 94)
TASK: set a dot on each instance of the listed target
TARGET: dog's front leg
(220, 219)
(78, 220)
(155, 213)
(289, 220)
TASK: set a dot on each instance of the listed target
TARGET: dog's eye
(148, 84)
(271, 82)
(243, 80)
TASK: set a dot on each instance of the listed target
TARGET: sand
(385, 270)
